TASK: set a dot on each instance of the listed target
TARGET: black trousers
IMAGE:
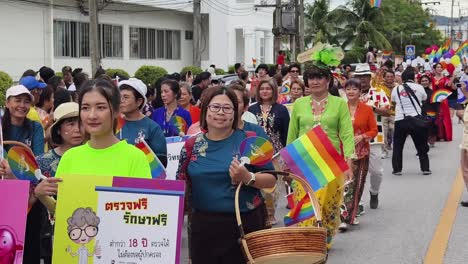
(215, 236)
(403, 128)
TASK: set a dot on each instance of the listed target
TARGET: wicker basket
(298, 245)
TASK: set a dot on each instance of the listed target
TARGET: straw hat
(63, 111)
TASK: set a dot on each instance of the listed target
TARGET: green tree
(360, 24)
(405, 23)
(5, 83)
(150, 74)
(319, 26)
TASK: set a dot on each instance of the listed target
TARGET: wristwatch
(252, 179)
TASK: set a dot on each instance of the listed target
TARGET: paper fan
(256, 151)
(23, 164)
(440, 95)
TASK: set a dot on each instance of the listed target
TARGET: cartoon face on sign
(8, 245)
(82, 228)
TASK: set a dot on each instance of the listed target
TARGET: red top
(280, 59)
(443, 120)
(194, 113)
(364, 123)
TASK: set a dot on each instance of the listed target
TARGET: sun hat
(17, 90)
(362, 69)
(138, 85)
(63, 111)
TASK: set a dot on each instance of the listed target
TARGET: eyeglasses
(126, 97)
(90, 231)
(216, 107)
(294, 71)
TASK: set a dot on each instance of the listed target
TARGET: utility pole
(300, 35)
(277, 29)
(451, 24)
(196, 33)
(94, 48)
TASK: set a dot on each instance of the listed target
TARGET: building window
(110, 38)
(71, 39)
(149, 43)
(188, 35)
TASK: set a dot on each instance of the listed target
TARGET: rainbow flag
(120, 125)
(443, 48)
(431, 114)
(302, 211)
(375, 3)
(313, 157)
(387, 54)
(462, 48)
(157, 169)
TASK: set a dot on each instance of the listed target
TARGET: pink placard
(13, 212)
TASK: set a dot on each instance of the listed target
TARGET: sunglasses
(294, 71)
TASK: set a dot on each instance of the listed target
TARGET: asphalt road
(401, 229)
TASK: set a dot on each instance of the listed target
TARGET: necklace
(318, 107)
(352, 111)
(265, 111)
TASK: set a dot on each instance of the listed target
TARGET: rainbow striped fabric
(157, 169)
(313, 157)
(120, 125)
(462, 48)
(375, 3)
(302, 211)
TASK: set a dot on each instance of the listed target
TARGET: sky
(442, 10)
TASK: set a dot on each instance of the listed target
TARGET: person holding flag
(135, 124)
(332, 114)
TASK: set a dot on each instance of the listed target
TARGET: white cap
(138, 85)
(17, 90)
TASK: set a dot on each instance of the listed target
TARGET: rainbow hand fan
(285, 88)
(179, 125)
(23, 164)
(256, 151)
(440, 95)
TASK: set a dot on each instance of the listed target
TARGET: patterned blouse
(275, 122)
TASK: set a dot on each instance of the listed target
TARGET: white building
(55, 33)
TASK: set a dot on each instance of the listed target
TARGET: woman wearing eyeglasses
(212, 175)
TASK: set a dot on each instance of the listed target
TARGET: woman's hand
(5, 170)
(238, 172)
(47, 187)
(358, 138)
(348, 174)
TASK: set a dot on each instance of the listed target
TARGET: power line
(221, 10)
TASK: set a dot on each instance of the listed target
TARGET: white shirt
(249, 117)
(408, 107)
(464, 144)
(83, 255)
(427, 67)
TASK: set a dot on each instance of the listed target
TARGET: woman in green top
(104, 154)
(332, 114)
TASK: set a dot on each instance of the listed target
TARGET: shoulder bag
(420, 121)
